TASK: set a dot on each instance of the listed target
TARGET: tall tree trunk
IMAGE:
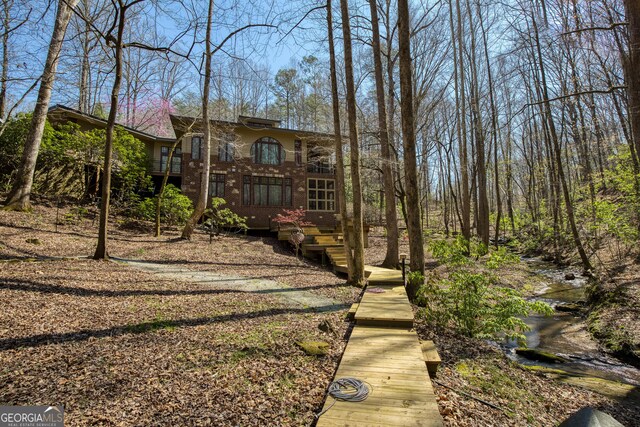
(84, 100)
(482, 211)
(340, 180)
(557, 154)
(390, 212)
(416, 246)
(4, 75)
(358, 277)
(631, 64)
(203, 197)
(19, 196)
(101, 249)
(462, 125)
(494, 125)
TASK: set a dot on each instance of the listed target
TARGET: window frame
(298, 152)
(259, 190)
(258, 152)
(326, 186)
(199, 151)
(226, 150)
(217, 181)
(176, 160)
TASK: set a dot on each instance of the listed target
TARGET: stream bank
(566, 335)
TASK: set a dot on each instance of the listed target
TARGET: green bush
(477, 307)
(457, 252)
(415, 279)
(64, 153)
(219, 219)
(471, 300)
(175, 208)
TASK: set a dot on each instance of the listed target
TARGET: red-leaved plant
(294, 217)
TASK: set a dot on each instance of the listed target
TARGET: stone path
(290, 295)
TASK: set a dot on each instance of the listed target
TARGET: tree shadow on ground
(143, 327)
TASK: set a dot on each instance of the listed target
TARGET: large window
(266, 191)
(321, 194)
(176, 160)
(226, 149)
(267, 151)
(216, 185)
(196, 147)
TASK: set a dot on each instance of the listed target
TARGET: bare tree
(19, 196)
(358, 277)
(203, 197)
(632, 69)
(414, 227)
(391, 215)
(340, 179)
(117, 43)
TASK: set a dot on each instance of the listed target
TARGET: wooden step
(323, 240)
(430, 356)
(389, 361)
(352, 311)
(315, 246)
(335, 250)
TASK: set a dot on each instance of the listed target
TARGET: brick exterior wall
(258, 217)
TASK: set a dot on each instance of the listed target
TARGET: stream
(565, 334)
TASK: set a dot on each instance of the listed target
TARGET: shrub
(175, 208)
(219, 219)
(472, 301)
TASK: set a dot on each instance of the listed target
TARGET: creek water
(566, 334)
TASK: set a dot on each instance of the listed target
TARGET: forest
(464, 129)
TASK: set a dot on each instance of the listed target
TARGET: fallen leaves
(119, 346)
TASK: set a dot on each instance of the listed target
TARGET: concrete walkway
(287, 294)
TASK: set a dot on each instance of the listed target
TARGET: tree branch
(300, 21)
(609, 28)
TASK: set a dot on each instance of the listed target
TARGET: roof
(258, 120)
(186, 124)
(95, 120)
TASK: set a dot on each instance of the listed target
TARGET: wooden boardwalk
(385, 353)
(388, 307)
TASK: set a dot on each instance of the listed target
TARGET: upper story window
(196, 147)
(320, 160)
(267, 151)
(226, 149)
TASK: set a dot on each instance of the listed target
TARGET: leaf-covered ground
(118, 346)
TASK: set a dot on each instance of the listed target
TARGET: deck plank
(390, 361)
(389, 307)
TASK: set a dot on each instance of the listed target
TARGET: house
(258, 167)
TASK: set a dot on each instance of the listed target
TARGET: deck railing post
(403, 258)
